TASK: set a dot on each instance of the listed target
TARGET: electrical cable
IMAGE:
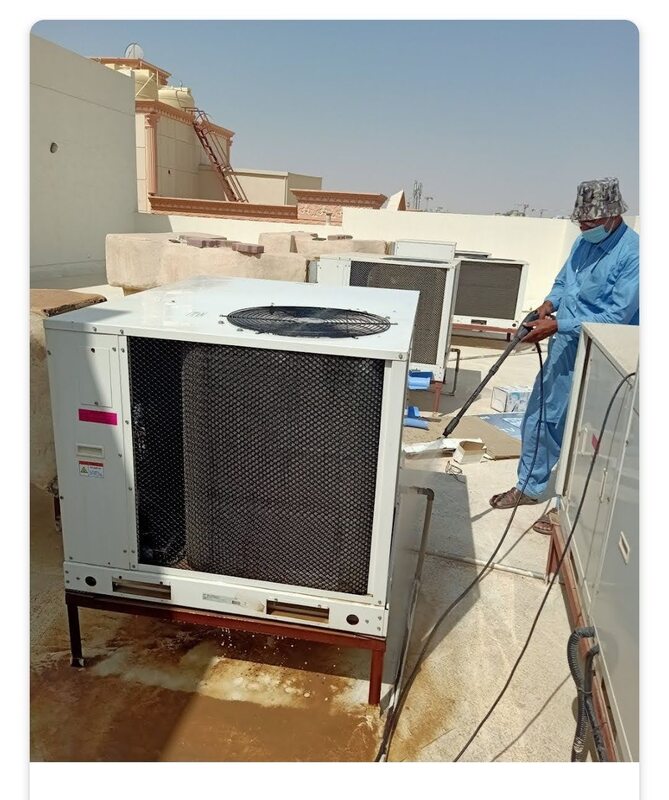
(555, 574)
(393, 714)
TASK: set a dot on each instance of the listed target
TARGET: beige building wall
(86, 188)
(261, 186)
(297, 181)
(178, 158)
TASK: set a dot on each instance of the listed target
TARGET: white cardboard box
(510, 398)
(469, 451)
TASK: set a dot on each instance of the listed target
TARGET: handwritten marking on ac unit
(91, 469)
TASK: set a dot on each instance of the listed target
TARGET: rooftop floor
(162, 691)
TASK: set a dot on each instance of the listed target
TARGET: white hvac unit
(491, 291)
(422, 248)
(437, 282)
(605, 545)
(233, 445)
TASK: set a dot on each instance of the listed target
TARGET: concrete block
(46, 303)
(137, 262)
(283, 242)
(313, 248)
(249, 249)
(203, 241)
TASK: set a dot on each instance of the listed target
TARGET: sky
(488, 115)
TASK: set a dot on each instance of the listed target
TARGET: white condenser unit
(233, 445)
(491, 291)
(437, 282)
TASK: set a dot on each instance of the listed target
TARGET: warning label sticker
(91, 469)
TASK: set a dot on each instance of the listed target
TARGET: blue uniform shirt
(598, 283)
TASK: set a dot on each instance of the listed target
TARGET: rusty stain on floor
(161, 691)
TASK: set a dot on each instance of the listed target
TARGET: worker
(599, 282)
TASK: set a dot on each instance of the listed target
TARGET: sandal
(511, 498)
(544, 524)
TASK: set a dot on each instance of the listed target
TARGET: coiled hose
(586, 711)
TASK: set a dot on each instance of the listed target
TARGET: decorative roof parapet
(222, 208)
(322, 206)
(366, 199)
(165, 110)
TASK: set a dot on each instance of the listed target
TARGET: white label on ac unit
(91, 469)
(233, 601)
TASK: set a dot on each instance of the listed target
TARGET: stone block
(283, 242)
(203, 241)
(249, 249)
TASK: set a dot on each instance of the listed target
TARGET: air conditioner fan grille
(309, 321)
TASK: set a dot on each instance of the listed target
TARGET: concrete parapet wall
(311, 245)
(142, 261)
(313, 248)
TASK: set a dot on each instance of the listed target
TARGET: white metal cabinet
(601, 381)
(606, 354)
(615, 607)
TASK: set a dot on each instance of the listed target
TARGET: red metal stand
(75, 600)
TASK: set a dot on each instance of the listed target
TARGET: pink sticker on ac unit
(101, 417)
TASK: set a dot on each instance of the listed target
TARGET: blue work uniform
(598, 283)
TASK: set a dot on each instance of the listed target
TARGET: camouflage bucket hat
(598, 199)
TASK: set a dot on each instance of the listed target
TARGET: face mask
(595, 235)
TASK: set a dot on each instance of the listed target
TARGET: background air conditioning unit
(234, 445)
(490, 292)
(422, 248)
(437, 282)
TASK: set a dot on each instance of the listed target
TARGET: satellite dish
(133, 50)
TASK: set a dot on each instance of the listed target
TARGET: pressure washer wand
(520, 334)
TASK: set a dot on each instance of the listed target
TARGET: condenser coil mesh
(254, 463)
(429, 281)
(488, 290)
(309, 321)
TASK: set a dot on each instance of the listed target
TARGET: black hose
(578, 746)
(586, 710)
(520, 334)
(589, 705)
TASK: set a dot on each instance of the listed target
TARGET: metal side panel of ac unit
(93, 479)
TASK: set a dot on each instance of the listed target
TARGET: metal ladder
(232, 188)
